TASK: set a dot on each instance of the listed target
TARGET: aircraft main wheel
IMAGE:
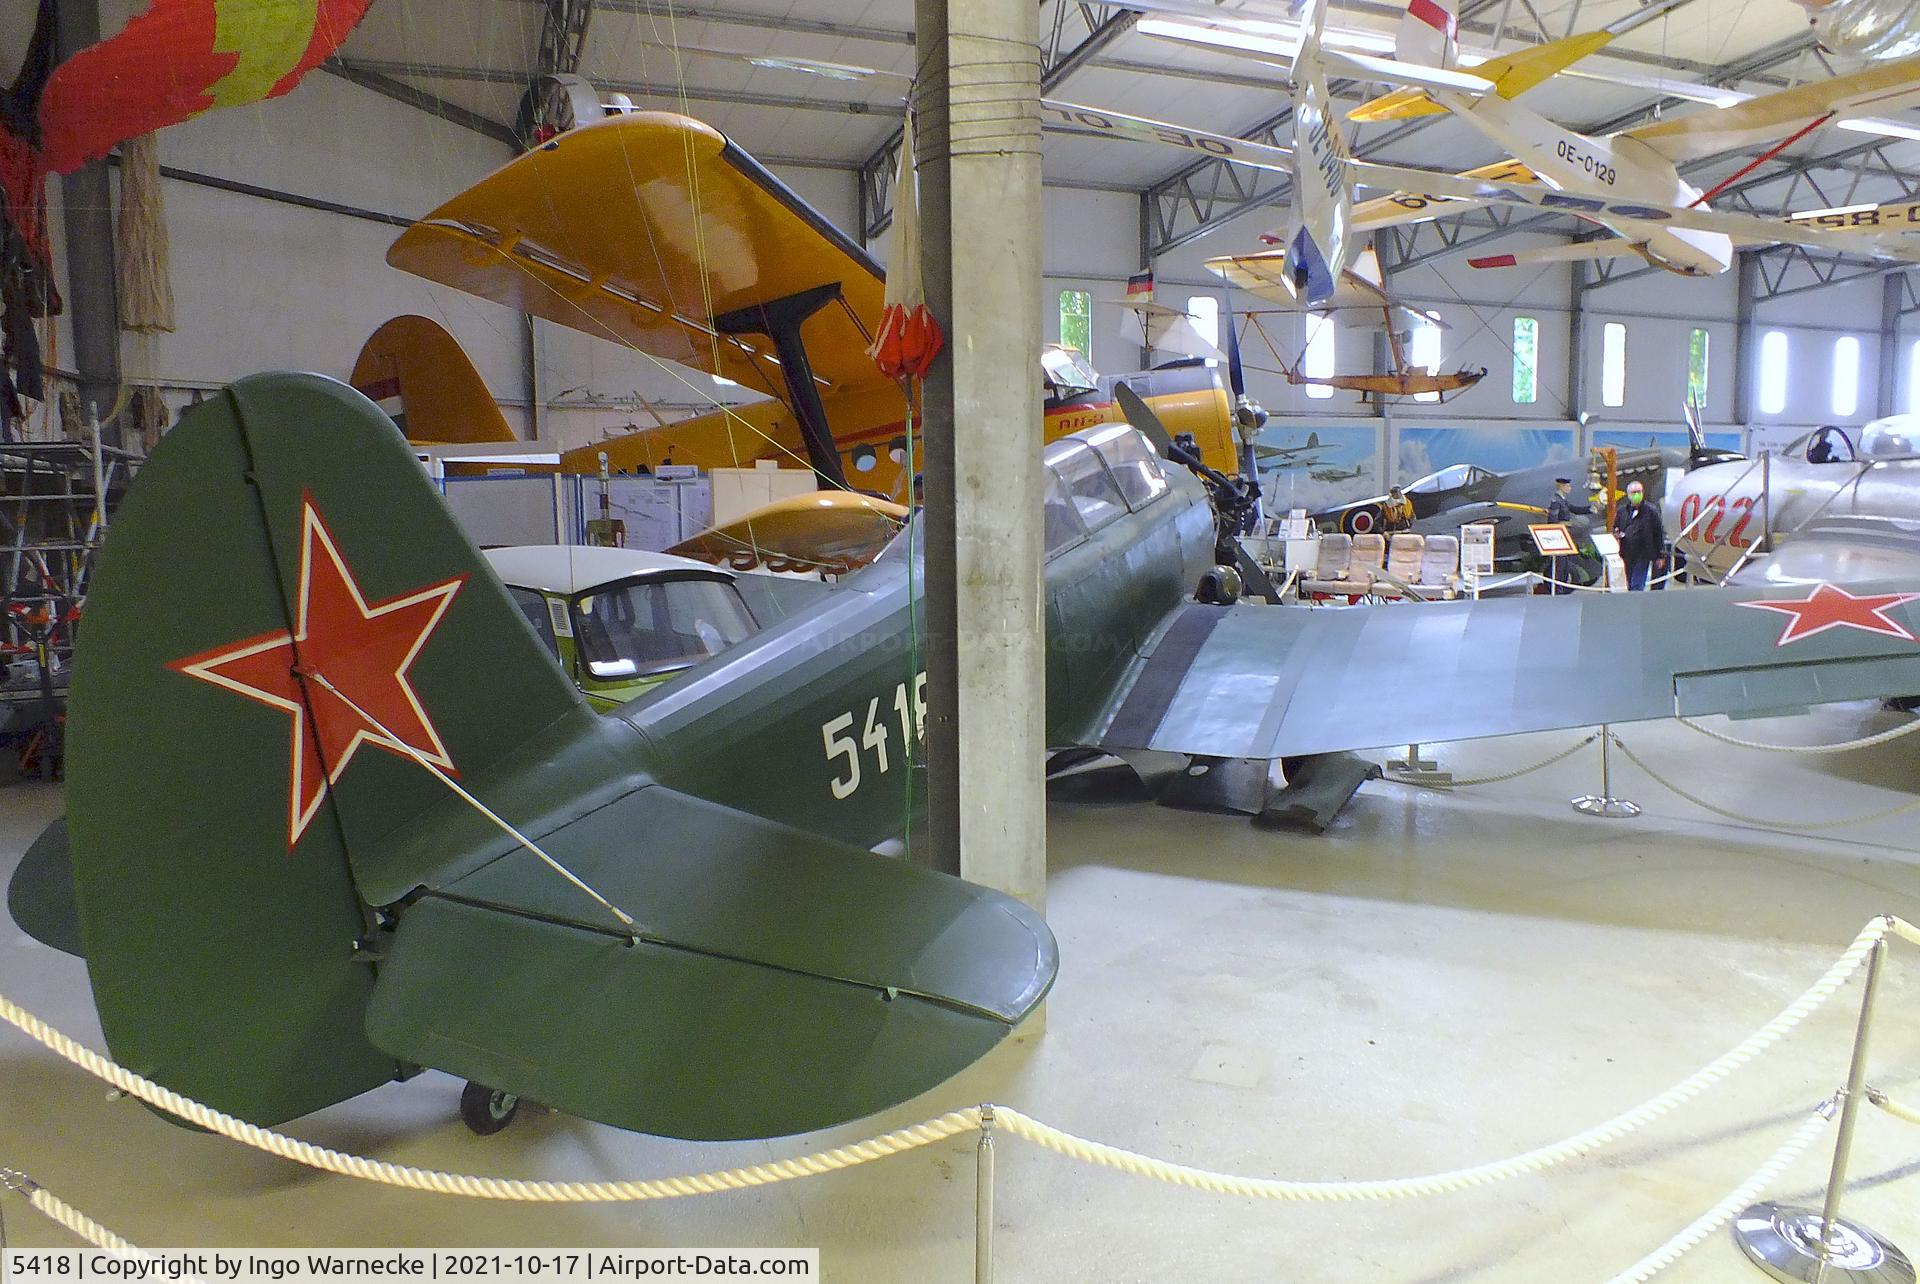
(485, 1110)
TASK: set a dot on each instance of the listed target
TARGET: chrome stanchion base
(1785, 1242)
(1418, 770)
(1596, 805)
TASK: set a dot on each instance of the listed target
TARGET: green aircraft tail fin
(283, 617)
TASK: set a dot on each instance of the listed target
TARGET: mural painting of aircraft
(1335, 474)
(425, 849)
(1445, 500)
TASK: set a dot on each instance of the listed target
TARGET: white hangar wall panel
(264, 285)
(1812, 323)
(1090, 242)
(1660, 312)
(1478, 306)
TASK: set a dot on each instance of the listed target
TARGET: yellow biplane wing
(654, 231)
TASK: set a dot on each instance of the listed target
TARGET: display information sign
(1553, 539)
(1476, 549)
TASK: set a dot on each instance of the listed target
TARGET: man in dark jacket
(1643, 538)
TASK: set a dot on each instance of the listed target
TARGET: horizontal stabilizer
(782, 982)
(1511, 75)
(1394, 72)
(40, 893)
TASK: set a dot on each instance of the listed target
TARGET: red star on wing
(364, 651)
(1831, 607)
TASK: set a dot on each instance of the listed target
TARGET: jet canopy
(1895, 437)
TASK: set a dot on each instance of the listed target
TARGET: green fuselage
(805, 723)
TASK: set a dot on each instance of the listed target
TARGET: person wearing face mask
(1643, 539)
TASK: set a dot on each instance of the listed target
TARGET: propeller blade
(1141, 416)
(1236, 376)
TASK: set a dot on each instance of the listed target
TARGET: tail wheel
(485, 1110)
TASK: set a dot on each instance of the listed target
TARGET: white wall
(264, 285)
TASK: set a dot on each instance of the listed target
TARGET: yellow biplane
(654, 231)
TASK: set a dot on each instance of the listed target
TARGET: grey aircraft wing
(1252, 681)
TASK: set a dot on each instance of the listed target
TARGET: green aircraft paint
(272, 946)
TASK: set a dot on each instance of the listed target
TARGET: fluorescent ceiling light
(1880, 125)
(831, 70)
(1282, 51)
(1712, 95)
(1838, 209)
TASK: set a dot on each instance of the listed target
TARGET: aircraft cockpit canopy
(1096, 476)
(1895, 437)
(1067, 372)
(1824, 445)
(1451, 477)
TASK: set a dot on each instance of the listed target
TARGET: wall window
(1526, 361)
(1846, 376)
(1613, 364)
(1426, 353)
(1076, 321)
(1697, 366)
(1773, 372)
(1318, 359)
(1203, 314)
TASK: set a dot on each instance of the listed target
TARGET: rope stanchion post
(1799, 1244)
(1604, 803)
(983, 1201)
(1416, 770)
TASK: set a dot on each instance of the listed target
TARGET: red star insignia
(364, 651)
(1831, 607)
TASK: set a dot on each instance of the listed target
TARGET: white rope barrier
(1721, 1213)
(1844, 746)
(957, 1122)
(1014, 1122)
(474, 1187)
(1904, 1113)
(57, 1210)
(1466, 781)
(1745, 818)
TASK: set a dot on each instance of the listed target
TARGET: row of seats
(1354, 564)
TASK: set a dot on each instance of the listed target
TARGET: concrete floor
(1440, 981)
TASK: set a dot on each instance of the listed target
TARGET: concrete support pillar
(1580, 276)
(1746, 342)
(978, 139)
(1893, 292)
(92, 299)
